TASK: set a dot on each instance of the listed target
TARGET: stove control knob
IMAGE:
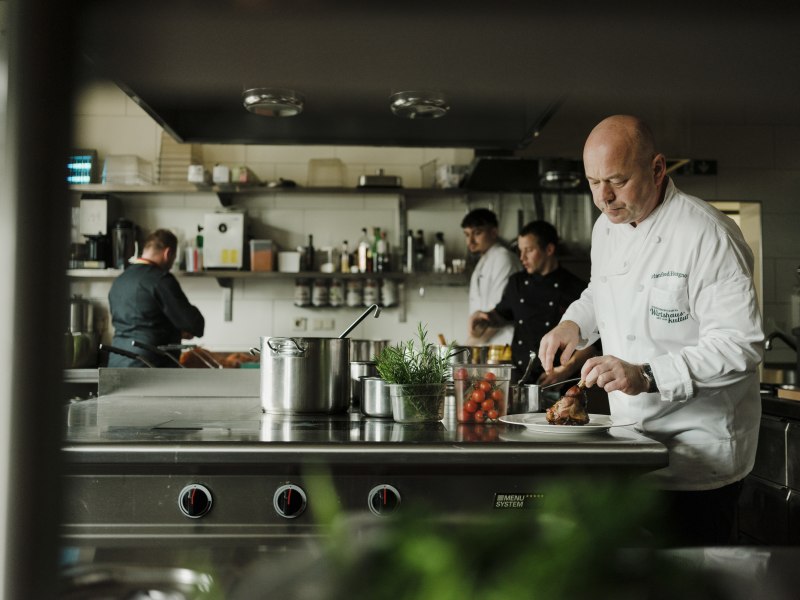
(289, 501)
(195, 501)
(383, 500)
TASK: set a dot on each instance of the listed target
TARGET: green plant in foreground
(409, 362)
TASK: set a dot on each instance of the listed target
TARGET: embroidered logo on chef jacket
(669, 297)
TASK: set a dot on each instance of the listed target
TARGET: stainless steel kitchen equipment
(375, 400)
(305, 375)
(186, 461)
(361, 317)
(359, 369)
(366, 350)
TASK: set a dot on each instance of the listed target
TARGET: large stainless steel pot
(305, 375)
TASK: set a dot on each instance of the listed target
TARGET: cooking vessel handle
(120, 351)
(255, 351)
(155, 350)
(302, 351)
(347, 331)
(528, 368)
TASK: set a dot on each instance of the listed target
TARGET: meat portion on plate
(570, 409)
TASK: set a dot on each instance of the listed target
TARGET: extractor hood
(502, 69)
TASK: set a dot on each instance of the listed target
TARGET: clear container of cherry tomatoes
(481, 392)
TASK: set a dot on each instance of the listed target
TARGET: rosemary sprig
(408, 363)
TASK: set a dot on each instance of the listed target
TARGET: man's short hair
(480, 217)
(160, 239)
(543, 231)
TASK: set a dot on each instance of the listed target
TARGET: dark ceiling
(502, 65)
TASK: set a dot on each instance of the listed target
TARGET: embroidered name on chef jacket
(668, 314)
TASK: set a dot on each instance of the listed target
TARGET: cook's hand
(477, 323)
(557, 374)
(565, 337)
(612, 374)
(185, 335)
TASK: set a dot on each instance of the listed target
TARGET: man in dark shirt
(534, 300)
(148, 305)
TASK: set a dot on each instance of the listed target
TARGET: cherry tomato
(461, 373)
(477, 396)
(480, 416)
(487, 405)
(466, 416)
(493, 415)
(484, 386)
(490, 376)
(497, 395)
(470, 406)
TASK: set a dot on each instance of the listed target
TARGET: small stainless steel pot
(359, 369)
(526, 399)
(375, 400)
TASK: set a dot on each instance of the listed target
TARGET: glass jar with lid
(319, 293)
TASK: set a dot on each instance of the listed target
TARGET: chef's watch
(647, 373)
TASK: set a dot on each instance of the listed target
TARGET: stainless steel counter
(131, 455)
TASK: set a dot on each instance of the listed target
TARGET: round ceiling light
(273, 102)
(419, 105)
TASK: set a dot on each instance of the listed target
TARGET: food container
(305, 375)
(481, 392)
(375, 400)
(417, 402)
(289, 262)
(262, 255)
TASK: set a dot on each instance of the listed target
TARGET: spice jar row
(351, 293)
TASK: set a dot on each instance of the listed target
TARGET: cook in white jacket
(496, 264)
(672, 297)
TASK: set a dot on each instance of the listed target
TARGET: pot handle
(285, 350)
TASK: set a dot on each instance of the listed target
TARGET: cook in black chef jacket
(533, 302)
(148, 305)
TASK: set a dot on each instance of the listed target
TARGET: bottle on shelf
(383, 253)
(439, 263)
(345, 258)
(363, 251)
(376, 256)
(409, 253)
(310, 255)
(420, 251)
(199, 263)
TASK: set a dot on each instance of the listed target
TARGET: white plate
(538, 422)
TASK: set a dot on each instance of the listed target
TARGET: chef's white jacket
(487, 283)
(677, 292)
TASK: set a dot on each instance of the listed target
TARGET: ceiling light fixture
(419, 105)
(273, 102)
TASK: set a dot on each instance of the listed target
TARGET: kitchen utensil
(156, 350)
(375, 400)
(442, 340)
(359, 369)
(305, 375)
(133, 355)
(363, 316)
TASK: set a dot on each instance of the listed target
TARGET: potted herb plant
(416, 374)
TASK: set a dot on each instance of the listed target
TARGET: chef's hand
(185, 335)
(612, 374)
(557, 374)
(565, 337)
(477, 323)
